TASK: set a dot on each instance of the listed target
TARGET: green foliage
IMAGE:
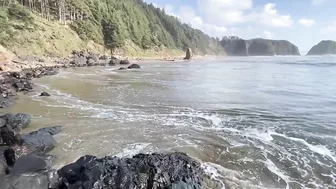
(16, 11)
(88, 30)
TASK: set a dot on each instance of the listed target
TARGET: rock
(29, 164)
(18, 86)
(79, 61)
(124, 62)
(18, 121)
(104, 57)
(175, 170)
(91, 62)
(323, 48)
(3, 168)
(8, 136)
(189, 54)
(44, 94)
(122, 68)
(41, 140)
(114, 61)
(25, 181)
(134, 66)
(10, 158)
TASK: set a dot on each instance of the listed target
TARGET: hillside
(235, 46)
(323, 48)
(128, 27)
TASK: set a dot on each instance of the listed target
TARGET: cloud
(271, 17)
(224, 12)
(329, 29)
(307, 22)
(268, 35)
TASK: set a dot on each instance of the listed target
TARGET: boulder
(29, 164)
(122, 68)
(189, 54)
(114, 61)
(134, 66)
(25, 181)
(125, 62)
(10, 158)
(79, 61)
(174, 170)
(44, 94)
(104, 57)
(41, 140)
(8, 136)
(18, 121)
(91, 62)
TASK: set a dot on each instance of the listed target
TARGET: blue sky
(303, 22)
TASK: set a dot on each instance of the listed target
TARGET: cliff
(323, 48)
(235, 46)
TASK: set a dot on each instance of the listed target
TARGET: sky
(302, 22)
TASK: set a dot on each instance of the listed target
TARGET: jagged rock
(44, 94)
(134, 66)
(189, 54)
(124, 62)
(17, 121)
(41, 140)
(175, 170)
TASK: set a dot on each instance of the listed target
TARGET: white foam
(320, 149)
(132, 149)
(274, 169)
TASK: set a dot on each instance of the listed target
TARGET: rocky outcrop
(10, 126)
(323, 48)
(189, 54)
(175, 170)
(235, 46)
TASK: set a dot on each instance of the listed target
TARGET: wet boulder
(134, 66)
(41, 140)
(8, 136)
(45, 94)
(122, 68)
(174, 170)
(124, 62)
(17, 121)
(25, 181)
(29, 164)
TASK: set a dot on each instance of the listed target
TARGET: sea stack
(189, 54)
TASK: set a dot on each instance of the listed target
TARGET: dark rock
(175, 170)
(8, 136)
(124, 62)
(25, 181)
(29, 164)
(134, 66)
(18, 86)
(189, 54)
(44, 94)
(122, 68)
(41, 140)
(17, 121)
(10, 158)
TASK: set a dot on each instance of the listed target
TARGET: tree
(110, 34)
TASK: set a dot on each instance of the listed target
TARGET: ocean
(253, 122)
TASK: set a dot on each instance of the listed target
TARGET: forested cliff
(111, 23)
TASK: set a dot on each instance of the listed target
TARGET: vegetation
(114, 24)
